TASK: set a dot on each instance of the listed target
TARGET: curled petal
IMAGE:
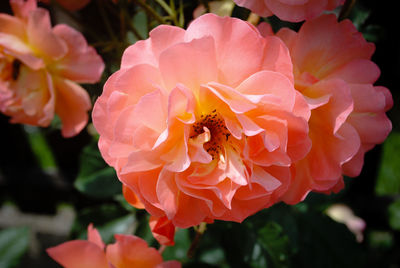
(72, 104)
(163, 230)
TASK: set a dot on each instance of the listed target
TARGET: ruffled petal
(81, 63)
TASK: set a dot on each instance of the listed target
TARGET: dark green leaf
(95, 178)
(40, 148)
(389, 173)
(394, 215)
(91, 160)
(276, 243)
(380, 239)
(98, 215)
(143, 228)
(325, 243)
(179, 250)
(101, 184)
(124, 225)
(140, 22)
(13, 244)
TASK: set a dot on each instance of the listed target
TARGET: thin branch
(199, 233)
(165, 6)
(106, 21)
(346, 9)
(150, 11)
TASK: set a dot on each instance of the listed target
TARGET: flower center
(218, 132)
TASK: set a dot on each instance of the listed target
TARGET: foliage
(13, 244)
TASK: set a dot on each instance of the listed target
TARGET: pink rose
(333, 71)
(127, 251)
(290, 10)
(40, 67)
(203, 124)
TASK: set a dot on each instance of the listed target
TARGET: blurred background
(51, 188)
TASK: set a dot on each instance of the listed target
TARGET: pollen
(219, 133)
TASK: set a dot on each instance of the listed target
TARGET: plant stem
(166, 7)
(130, 26)
(199, 233)
(181, 14)
(150, 11)
(346, 9)
(162, 248)
(104, 16)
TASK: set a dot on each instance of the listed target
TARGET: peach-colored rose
(127, 251)
(333, 70)
(40, 67)
(203, 124)
(72, 5)
(290, 10)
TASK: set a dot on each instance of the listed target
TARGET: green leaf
(143, 228)
(101, 184)
(359, 16)
(140, 22)
(388, 182)
(40, 148)
(213, 256)
(98, 215)
(380, 240)
(122, 201)
(323, 242)
(179, 250)
(276, 243)
(91, 160)
(394, 215)
(13, 244)
(124, 225)
(95, 178)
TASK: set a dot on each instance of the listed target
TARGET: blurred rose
(40, 67)
(127, 251)
(333, 71)
(203, 124)
(72, 5)
(343, 214)
(290, 10)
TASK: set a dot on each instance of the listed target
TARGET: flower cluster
(220, 121)
(210, 138)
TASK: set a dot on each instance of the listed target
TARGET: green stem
(166, 7)
(162, 248)
(181, 14)
(199, 233)
(104, 16)
(130, 26)
(346, 9)
(76, 20)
